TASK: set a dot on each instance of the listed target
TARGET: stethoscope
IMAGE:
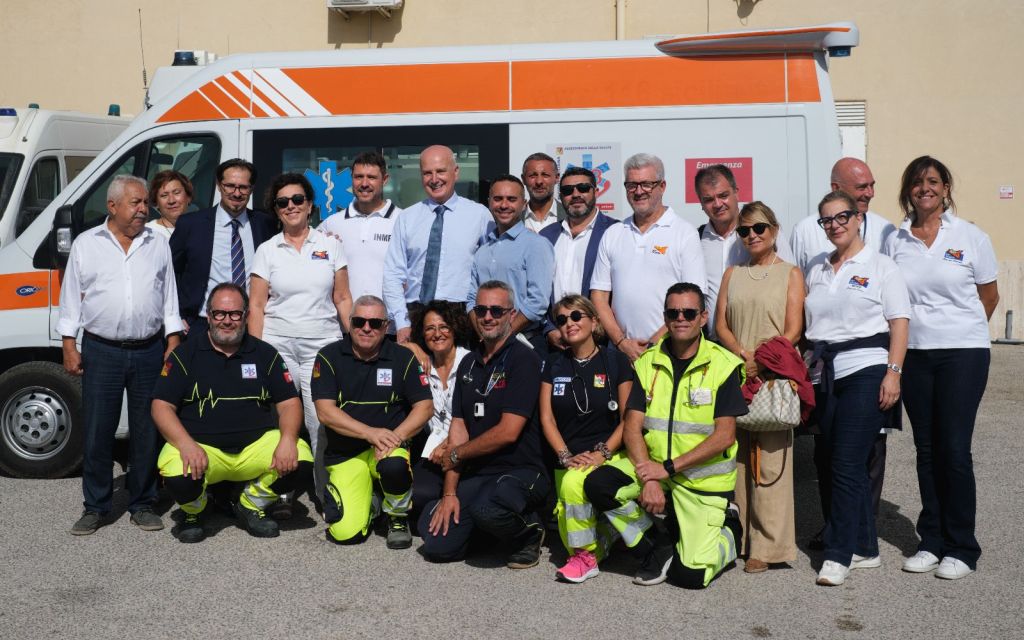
(585, 409)
(496, 375)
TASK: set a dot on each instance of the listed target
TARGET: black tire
(40, 421)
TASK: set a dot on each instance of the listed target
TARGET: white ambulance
(759, 101)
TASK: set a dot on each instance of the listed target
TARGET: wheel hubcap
(36, 423)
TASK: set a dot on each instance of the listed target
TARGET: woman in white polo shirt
(950, 269)
(857, 311)
(299, 294)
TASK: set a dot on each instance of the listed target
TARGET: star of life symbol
(603, 184)
(332, 189)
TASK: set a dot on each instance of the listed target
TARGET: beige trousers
(766, 506)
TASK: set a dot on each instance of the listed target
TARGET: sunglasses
(220, 314)
(758, 228)
(297, 199)
(688, 314)
(495, 311)
(842, 218)
(575, 316)
(375, 323)
(567, 189)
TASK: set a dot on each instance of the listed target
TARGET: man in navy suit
(575, 239)
(218, 244)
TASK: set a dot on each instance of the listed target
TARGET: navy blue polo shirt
(508, 382)
(225, 401)
(580, 393)
(378, 392)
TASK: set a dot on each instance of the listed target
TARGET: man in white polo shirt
(641, 258)
(364, 227)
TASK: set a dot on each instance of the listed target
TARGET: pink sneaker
(581, 566)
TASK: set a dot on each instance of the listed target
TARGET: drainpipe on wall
(620, 19)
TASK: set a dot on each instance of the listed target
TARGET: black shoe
(282, 509)
(398, 533)
(191, 529)
(147, 520)
(529, 555)
(654, 569)
(817, 541)
(256, 522)
(87, 524)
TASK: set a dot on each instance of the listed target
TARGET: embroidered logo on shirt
(319, 255)
(559, 389)
(382, 237)
(316, 369)
(498, 380)
(248, 372)
(660, 249)
(287, 373)
(423, 380)
(858, 282)
(954, 255)
(562, 379)
(600, 380)
(166, 369)
(383, 377)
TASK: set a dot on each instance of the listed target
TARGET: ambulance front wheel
(40, 420)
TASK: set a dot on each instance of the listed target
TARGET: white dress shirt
(535, 225)
(115, 294)
(220, 262)
(441, 419)
(570, 258)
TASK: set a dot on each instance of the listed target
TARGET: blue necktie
(433, 262)
(237, 255)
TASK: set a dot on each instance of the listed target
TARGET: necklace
(775, 258)
(588, 358)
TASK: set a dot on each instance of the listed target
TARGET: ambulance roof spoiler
(836, 37)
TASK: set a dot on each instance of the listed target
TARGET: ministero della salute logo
(332, 189)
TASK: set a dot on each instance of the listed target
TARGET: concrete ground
(128, 583)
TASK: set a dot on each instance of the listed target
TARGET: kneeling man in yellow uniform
(214, 404)
(681, 441)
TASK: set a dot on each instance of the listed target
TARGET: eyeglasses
(575, 316)
(220, 314)
(496, 312)
(644, 186)
(437, 328)
(842, 218)
(688, 314)
(567, 189)
(297, 199)
(375, 323)
(758, 228)
(241, 188)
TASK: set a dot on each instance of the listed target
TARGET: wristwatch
(453, 456)
(895, 367)
(670, 468)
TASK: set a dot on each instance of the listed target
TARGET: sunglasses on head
(843, 217)
(375, 323)
(759, 228)
(297, 199)
(688, 314)
(495, 311)
(567, 189)
(575, 316)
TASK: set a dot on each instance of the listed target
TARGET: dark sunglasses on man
(375, 323)
(688, 314)
(297, 199)
(567, 189)
(495, 311)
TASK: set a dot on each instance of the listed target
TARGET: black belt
(125, 344)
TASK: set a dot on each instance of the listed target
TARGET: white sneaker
(832, 574)
(921, 562)
(865, 562)
(952, 569)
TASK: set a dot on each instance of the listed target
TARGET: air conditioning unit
(383, 7)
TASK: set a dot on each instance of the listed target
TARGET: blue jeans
(502, 504)
(942, 391)
(108, 372)
(850, 440)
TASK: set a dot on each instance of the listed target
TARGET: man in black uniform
(494, 476)
(213, 403)
(373, 397)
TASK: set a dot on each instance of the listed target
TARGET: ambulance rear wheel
(40, 421)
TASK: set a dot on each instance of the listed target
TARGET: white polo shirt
(301, 283)
(570, 257)
(943, 281)
(809, 240)
(640, 267)
(365, 240)
(722, 252)
(856, 302)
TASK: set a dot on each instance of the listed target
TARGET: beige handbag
(775, 407)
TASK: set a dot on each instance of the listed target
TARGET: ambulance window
(10, 165)
(42, 187)
(94, 205)
(196, 157)
(73, 165)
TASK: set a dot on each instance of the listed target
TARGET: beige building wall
(939, 78)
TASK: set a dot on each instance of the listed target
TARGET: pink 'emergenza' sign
(742, 169)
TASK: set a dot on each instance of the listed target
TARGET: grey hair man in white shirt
(119, 288)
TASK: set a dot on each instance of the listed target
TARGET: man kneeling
(213, 403)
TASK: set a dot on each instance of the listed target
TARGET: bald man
(431, 252)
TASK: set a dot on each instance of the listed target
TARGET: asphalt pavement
(124, 582)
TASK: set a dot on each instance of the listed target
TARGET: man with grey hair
(641, 258)
(119, 288)
(495, 478)
(373, 397)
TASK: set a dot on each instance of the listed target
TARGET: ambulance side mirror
(54, 251)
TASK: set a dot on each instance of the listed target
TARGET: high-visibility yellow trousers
(350, 487)
(578, 522)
